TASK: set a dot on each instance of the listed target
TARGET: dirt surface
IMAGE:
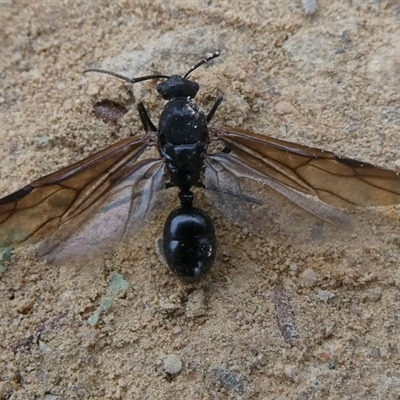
(330, 80)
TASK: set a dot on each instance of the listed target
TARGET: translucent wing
(338, 181)
(280, 188)
(87, 206)
(267, 207)
(116, 216)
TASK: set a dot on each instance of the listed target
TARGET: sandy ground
(338, 71)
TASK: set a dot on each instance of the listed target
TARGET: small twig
(285, 316)
(35, 337)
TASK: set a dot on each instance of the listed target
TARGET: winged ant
(260, 182)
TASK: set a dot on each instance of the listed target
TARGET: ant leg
(148, 126)
(214, 108)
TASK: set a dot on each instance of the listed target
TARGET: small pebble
(308, 277)
(284, 107)
(229, 379)
(324, 295)
(43, 347)
(196, 304)
(93, 319)
(172, 364)
(309, 6)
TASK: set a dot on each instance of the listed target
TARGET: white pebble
(172, 364)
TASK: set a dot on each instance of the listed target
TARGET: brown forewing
(338, 181)
(37, 210)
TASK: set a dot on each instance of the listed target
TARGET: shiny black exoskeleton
(183, 132)
(189, 241)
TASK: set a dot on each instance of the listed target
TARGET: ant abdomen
(189, 243)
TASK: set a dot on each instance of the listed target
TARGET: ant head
(173, 86)
(177, 86)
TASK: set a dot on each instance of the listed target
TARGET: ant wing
(268, 207)
(338, 181)
(86, 207)
(116, 216)
(275, 187)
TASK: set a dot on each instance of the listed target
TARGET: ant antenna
(126, 79)
(209, 57)
(148, 77)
